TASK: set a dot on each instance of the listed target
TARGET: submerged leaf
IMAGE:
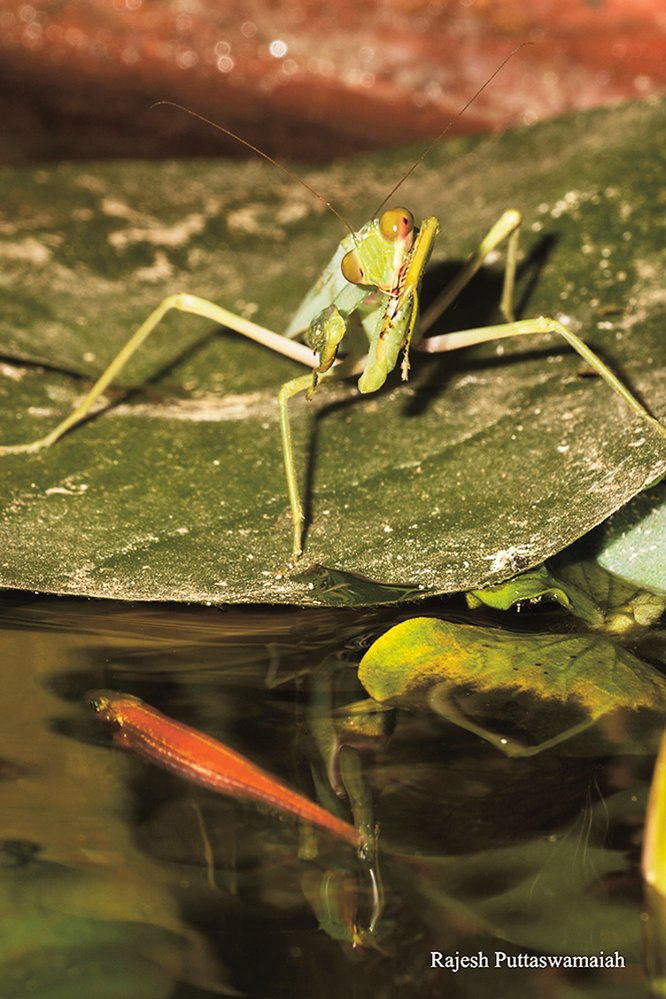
(550, 686)
(603, 601)
(488, 462)
(528, 587)
(546, 894)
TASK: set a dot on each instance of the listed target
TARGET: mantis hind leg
(507, 227)
(541, 324)
(191, 304)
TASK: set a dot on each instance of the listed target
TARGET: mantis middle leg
(287, 391)
(193, 305)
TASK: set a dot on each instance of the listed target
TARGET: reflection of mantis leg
(541, 324)
(360, 799)
(441, 700)
(192, 305)
(331, 729)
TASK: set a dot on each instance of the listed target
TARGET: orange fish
(199, 758)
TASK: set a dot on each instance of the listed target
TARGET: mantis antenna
(294, 176)
(259, 152)
(450, 124)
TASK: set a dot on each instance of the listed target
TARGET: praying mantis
(361, 318)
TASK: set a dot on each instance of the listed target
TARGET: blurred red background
(303, 78)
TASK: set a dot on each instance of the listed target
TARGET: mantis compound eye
(396, 224)
(352, 268)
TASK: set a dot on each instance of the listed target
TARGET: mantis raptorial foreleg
(193, 305)
(540, 324)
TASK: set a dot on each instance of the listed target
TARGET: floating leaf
(603, 601)
(535, 682)
(583, 578)
(485, 464)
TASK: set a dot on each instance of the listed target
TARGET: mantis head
(380, 252)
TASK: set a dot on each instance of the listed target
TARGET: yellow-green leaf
(549, 686)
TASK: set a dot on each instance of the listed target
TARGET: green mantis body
(374, 273)
(372, 281)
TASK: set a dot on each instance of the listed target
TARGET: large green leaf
(486, 463)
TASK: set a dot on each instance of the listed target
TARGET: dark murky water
(121, 880)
